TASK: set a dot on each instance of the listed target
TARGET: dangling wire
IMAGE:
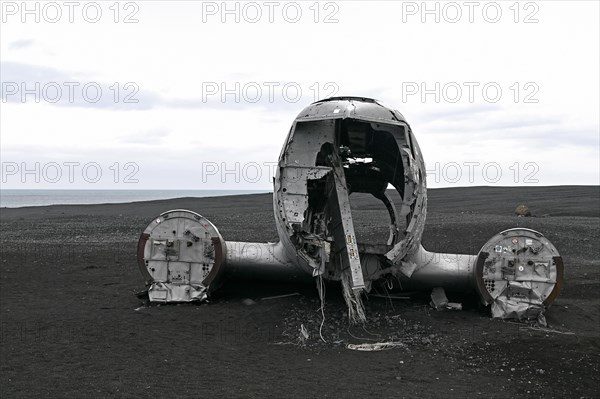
(321, 290)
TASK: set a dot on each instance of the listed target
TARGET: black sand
(71, 325)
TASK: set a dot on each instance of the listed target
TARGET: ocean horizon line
(18, 198)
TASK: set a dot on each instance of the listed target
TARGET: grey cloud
(460, 113)
(24, 43)
(149, 137)
(533, 131)
(25, 83)
(258, 95)
(53, 86)
(457, 125)
(556, 135)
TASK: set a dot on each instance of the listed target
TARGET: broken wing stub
(180, 255)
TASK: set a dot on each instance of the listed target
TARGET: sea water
(14, 198)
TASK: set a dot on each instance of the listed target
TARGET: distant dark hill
(550, 201)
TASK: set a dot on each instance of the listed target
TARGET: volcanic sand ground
(71, 325)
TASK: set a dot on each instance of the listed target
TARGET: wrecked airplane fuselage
(337, 147)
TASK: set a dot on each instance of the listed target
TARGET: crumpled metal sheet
(507, 308)
(408, 268)
(169, 292)
(414, 204)
(438, 298)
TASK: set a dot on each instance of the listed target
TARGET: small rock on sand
(522, 210)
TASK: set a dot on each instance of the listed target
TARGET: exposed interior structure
(337, 147)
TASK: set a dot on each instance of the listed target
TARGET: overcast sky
(198, 95)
